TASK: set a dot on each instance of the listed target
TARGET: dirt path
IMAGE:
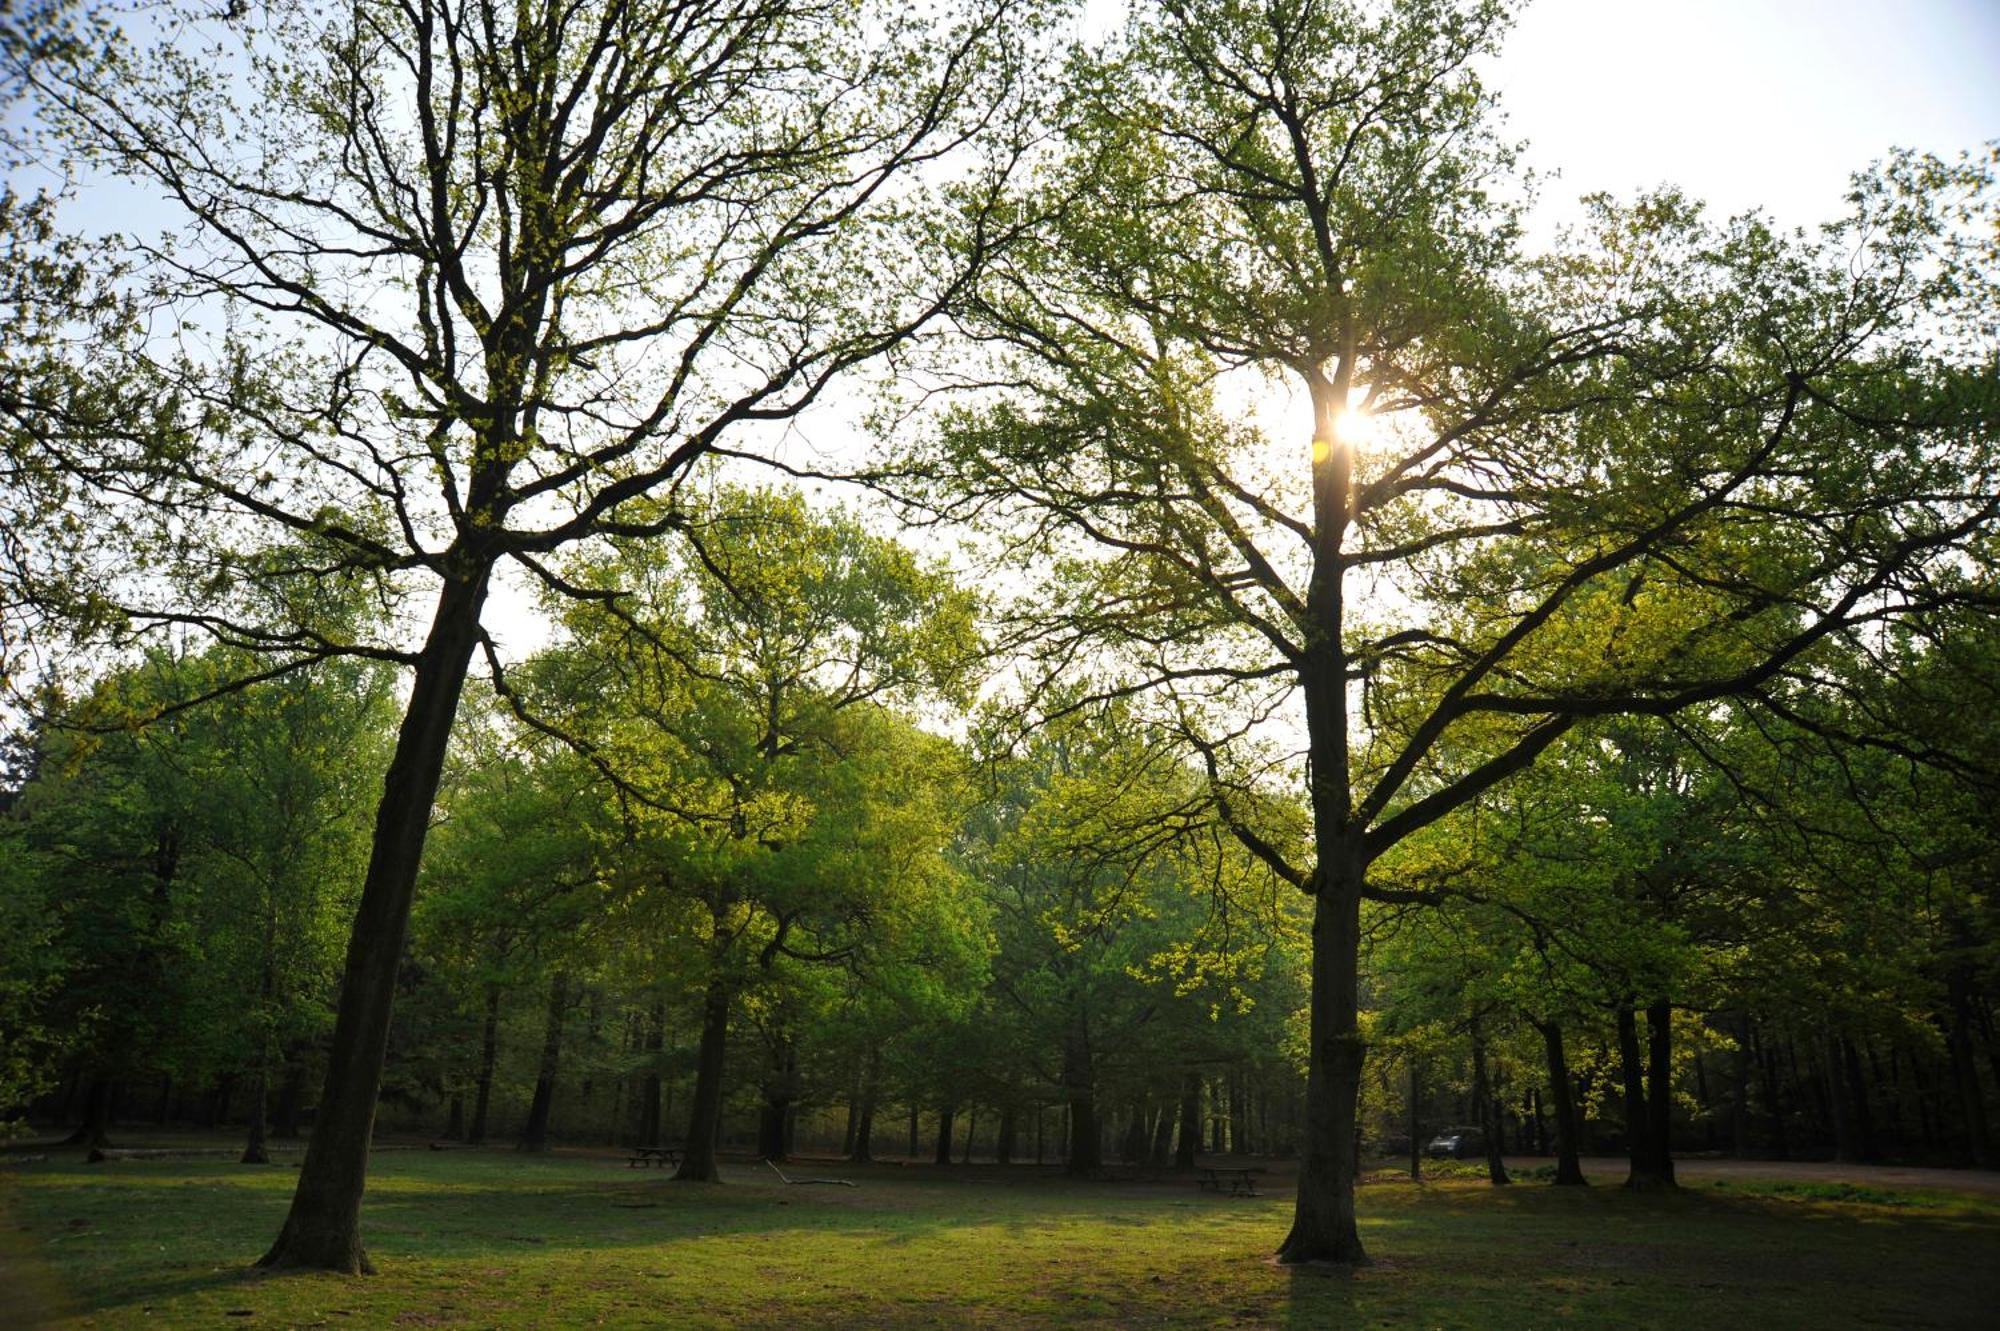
(1605, 1169)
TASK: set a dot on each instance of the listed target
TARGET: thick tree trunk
(94, 1131)
(705, 1114)
(535, 1136)
(323, 1228)
(489, 1053)
(1003, 1140)
(946, 1112)
(1638, 1154)
(1189, 1140)
(1660, 1089)
(864, 1132)
(774, 1116)
(1857, 1099)
(864, 1128)
(1133, 1145)
(1569, 1168)
(1085, 1156)
(1484, 1100)
(1323, 1228)
(253, 1142)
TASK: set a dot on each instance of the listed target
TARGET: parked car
(1456, 1144)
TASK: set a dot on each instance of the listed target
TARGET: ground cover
(477, 1239)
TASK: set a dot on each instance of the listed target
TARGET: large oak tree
(442, 286)
(1652, 467)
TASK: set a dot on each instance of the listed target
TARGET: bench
(1242, 1180)
(654, 1155)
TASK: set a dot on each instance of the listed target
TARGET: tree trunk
(323, 1227)
(1323, 1228)
(864, 1132)
(94, 1132)
(705, 1114)
(1638, 1155)
(1163, 1139)
(910, 1153)
(253, 1144)
(864, 1129)
(1415, 1108)
(489, 1052)
(775, 1115)
(1569, 1168)
(1485, 1101)
(1857, 1098)
(1132, 1147)
(1085, 1151)
(1003, 1140)
(535, 1136)
(1239, 1114)
(945, 1113)
(1659, 1096)
(1189, 1140)
(649, 1093)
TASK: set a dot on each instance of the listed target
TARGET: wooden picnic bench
(654, 1155)
(1242, 1180)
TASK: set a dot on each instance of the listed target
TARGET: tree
(475, 282)
(1650, 469)
(736, 698)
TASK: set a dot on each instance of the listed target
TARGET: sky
(1745, 103)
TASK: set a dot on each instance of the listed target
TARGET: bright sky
(1746, 103)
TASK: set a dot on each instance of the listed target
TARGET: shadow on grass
(477, 1225)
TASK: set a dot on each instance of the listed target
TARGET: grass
(479, 1239)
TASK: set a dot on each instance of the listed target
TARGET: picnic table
(1242, 1179)
(654, 1155)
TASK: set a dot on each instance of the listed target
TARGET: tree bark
(1003, 1140)
(864, 1128)
(1163, 1139)
(323, 1227)
(1638, 1157)
(649, 1102)
(94, 1131)
(1857, 1098)
(1484, 1100)
(1323, 1227)
(1415, 1108)
(253, 1143)
(1569, 1167)
(705, 1113)
(1189, 1140)
(1085, 1156)
(946, 1111)
(535, 1136)
(489, 1053)
(1648, 1107)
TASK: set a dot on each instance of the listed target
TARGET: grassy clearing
(493, 1239)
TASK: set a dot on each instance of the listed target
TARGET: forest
(975, 584)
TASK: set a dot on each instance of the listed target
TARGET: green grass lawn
(476, 1239)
